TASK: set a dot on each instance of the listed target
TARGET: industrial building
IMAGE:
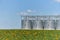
(45, 22)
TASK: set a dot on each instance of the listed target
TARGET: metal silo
(38, 25)
(49, 25)
(33, 24)
(25, 24)
(58, 25)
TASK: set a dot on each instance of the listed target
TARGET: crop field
(29, 35)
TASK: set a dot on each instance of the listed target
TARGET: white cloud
(57, 0)
(27, 12)
(23, 13)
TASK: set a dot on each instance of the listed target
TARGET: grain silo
(49, 25)
(41, 22)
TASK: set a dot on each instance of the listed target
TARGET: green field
(29, 35)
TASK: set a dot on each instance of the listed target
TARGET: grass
(29, 34)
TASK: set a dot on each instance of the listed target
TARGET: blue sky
(10, 10)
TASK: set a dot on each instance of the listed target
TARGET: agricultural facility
(47, 22)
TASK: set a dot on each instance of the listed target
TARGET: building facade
(41, 22)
